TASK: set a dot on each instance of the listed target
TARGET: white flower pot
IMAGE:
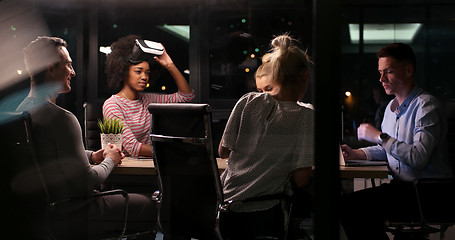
(111, 138)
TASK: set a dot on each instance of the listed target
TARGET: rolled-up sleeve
(375, 153)
(425, 137)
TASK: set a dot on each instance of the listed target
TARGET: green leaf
(114, 126)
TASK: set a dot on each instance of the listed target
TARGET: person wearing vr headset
(129, 68)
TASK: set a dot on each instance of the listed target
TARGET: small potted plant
(111, 131)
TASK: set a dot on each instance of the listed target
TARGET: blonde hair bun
(282, 42)
(287, 63)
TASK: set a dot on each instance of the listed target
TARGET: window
(365, 29)
(173, 33)
(239, 36)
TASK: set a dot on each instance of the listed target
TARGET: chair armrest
(225, 206)
(95, 195)
(156, 196)
(110, 192)
(190, 140)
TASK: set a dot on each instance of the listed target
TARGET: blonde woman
(269, 142)
(263, 77)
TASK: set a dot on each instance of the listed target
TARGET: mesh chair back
(92, 112)
(188, 174)
(22, 183)
(436, 200)
(450, 113)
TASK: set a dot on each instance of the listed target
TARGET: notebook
(359, 163)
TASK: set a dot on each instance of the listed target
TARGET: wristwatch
(383, 137)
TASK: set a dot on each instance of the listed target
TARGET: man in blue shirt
(413, 141)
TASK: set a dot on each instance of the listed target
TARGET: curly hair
(117, 64)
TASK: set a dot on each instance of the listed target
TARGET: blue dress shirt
(417, 147)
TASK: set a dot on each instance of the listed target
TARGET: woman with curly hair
(129, 77)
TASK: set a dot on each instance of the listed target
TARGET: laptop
(359, 163)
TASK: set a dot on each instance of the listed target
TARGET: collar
(416, 91)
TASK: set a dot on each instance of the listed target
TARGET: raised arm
(166, 61)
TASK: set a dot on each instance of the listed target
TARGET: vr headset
(145, 50)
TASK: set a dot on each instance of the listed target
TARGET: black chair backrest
(450, 113)
(436, 200)
(92, 112)
(22, 183)
(187, 169)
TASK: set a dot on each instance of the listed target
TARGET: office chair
(450, 114)
(434, 198)
(190, 195)
(435, 201)
(92, 112)
(24, 205)
(31, 214)
(190, 192)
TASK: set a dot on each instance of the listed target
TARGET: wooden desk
(364, 172)
(133, 166)
(133, 175)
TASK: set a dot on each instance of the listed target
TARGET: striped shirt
(136, 117)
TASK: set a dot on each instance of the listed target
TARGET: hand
(223, 151)
(302, 176)
(368, 133)
(114, 153)
(164, 60)
(349, 153)
(98, 156)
